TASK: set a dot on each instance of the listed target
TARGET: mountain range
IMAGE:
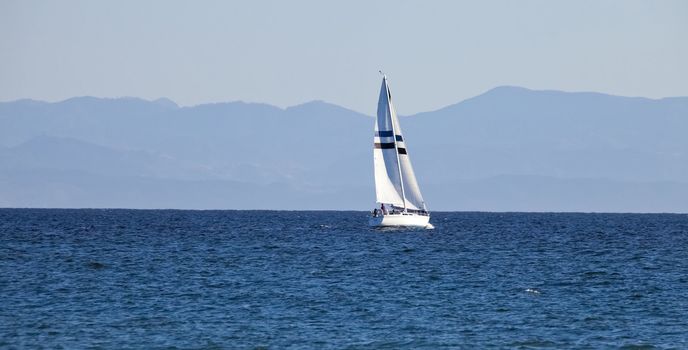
(509, 149)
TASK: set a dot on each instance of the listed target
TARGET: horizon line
(351, 210)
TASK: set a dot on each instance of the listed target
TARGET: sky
(284, 53)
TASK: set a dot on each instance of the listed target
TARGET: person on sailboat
(382, 208)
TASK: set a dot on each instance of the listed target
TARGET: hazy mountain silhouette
(508, 149)
(511, 130)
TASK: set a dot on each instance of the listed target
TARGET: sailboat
(396, 188)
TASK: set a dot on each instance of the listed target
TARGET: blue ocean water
(318, 280)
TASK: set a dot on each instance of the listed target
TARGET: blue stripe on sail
(389, 145)
(384, 145)
(388, 133)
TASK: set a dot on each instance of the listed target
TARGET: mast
(396, 146)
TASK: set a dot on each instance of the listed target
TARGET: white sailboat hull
(400, 220)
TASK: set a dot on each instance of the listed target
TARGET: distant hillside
(508, 149)
(511, 130)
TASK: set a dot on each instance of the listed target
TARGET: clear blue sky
(288, 52)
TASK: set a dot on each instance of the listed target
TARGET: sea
(178, 279)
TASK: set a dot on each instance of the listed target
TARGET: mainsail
(395, 182)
